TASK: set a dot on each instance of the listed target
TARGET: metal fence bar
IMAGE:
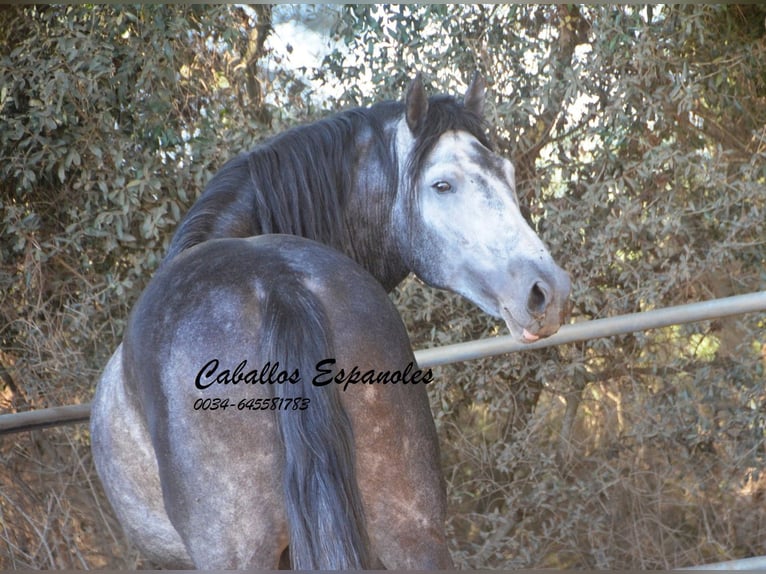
(458, 352)
(754, 563)
(597, 328)
(41, 418)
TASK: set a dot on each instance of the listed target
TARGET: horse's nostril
(537, 301)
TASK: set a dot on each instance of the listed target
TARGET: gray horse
(265, 396)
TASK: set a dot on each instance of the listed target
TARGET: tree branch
(573, 30)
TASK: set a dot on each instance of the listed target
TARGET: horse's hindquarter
(197, 335)
(399, 476)
(396, 446)
(127, 466)
(220, 465)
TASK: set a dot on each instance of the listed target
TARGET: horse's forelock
(444, 114)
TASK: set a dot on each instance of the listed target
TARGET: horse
(272, 295)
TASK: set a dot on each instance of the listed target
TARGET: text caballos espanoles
(325, 373)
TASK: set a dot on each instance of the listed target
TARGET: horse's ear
(416, 104)
(474, 95)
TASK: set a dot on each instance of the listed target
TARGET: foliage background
(639, 137)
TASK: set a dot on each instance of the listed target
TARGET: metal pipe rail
(620, 325)
(744, 564)
(597, 328)
(43, 418)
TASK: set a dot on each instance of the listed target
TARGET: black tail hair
(324, 509)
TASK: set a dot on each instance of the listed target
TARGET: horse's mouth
(519, 331)
(528, 337)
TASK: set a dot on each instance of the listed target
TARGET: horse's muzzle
(547, 303)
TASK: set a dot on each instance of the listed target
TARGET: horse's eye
(442, 187)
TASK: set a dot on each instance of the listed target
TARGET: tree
(638, 137)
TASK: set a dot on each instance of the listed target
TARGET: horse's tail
(324, 510)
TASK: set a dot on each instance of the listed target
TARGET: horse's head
(464, 229)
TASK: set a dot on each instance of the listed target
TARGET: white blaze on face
(479, 244)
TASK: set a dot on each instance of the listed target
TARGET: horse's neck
(365, 232)
(371, 235)
(371, 239)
